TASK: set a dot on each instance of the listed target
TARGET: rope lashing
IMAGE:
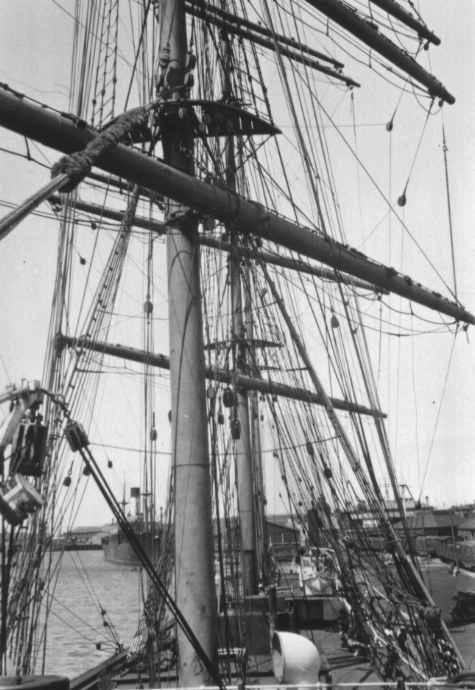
(70, 170)
(77, 165)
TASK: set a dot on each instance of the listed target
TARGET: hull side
(118, 551)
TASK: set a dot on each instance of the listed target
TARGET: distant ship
(117, 548)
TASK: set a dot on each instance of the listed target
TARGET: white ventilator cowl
(295, 659)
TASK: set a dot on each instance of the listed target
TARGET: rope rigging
(307, 441)
(78, 442)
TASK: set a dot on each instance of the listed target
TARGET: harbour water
(78, 638)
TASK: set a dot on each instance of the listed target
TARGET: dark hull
(77, 547)
(118, 550)
(35, 682)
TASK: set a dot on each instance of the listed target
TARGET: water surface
(87, 585)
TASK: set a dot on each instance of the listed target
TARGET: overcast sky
(35, 50)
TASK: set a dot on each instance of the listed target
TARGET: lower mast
(194, 577)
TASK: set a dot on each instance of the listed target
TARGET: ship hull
(118, 550)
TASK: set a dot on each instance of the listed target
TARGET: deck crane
(24, 432)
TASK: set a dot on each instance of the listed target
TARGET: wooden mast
(240, 425)
(194, 578)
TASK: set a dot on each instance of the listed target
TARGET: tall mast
(256, 449)
(195, 593)
(240, 424)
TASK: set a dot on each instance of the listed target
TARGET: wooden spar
(257, 467)
(159, 227)
(194, 545)
(240, 423)
(396, 10)
(293, 264)
(93, 677)
(11, 220)
(107, 213)
(218, 16)
(259, 500)
(367, 32)
(121, 184)
(206, 240)
(70, 170)
(262, 540)
(248, 383)
(62, 133)
(258, 38)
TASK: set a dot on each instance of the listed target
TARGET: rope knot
(77, 165)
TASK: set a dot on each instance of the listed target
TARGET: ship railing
(397, 685)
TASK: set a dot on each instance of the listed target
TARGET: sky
(35, 41)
